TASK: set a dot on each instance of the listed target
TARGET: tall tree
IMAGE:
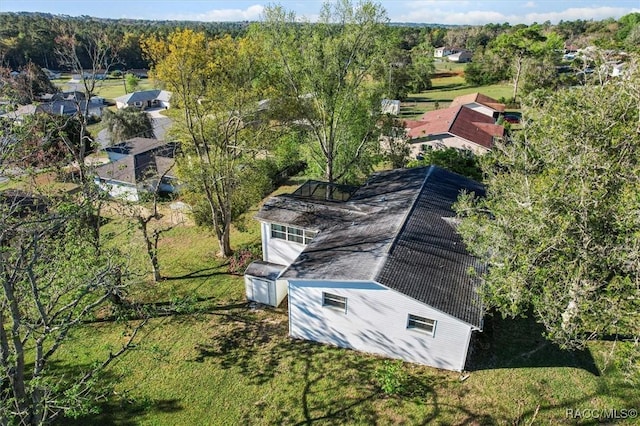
(88, 55)
(524, 43)
(217, 85)
(52, 280)
(127, 123)
(559, 227)
(326, 81)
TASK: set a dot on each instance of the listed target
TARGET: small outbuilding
(262, 284)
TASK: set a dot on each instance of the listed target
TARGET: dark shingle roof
(393, 231)
(262, 269)
(144, 96)
(144, 158)
(428, 260)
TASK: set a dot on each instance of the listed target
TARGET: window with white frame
(289, 233)
(421, 323)
(334, 301)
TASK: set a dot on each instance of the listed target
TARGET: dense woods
(31, 37)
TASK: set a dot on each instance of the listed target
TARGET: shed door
(263, 291)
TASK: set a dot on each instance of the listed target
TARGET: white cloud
(530, 4)
(251, 13)
(478, 17)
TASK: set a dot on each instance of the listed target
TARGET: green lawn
(448, 83)
(109, 88)
(219, 362)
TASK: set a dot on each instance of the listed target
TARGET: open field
(218, 361)
(448, 83)
(108, 89)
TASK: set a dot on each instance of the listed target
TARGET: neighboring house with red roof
(480, 103)
(459, 127)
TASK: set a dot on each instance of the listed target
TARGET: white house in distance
(462, 56)
(378, 269)
(145, 99)
(444, 51)
(135, 167)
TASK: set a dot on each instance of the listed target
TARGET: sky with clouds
(419, 11)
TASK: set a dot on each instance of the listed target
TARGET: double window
(421, 323)
(334, 301)
(289, 233)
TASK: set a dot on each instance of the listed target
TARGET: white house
(136, 166)
(462, 56)
(444, 51)
(145, 99)
(379, 268)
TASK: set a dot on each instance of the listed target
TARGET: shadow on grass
(109, 408)
(318, 383)
(519, 343)
(202, 273)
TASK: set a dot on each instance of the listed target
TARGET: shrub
(391, 377)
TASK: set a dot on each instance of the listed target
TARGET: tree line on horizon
(31, 37)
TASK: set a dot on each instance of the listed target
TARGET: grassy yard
(109, 88)
(221, 362)
(448, 83)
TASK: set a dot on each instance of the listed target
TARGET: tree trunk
(516, 78)
(224, 240)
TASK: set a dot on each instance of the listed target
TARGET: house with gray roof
(145, 99)
(137, 166)
(377, 268)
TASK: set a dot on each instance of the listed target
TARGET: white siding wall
(118, 190)
(376, 322)
(264, 291)
(281, 291)
(276, 250)
(447, 141)
(481, 109)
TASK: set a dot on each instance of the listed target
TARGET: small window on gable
(309, 235)
(334, 301)
(289, 233)
(278, 231)
(421, 323)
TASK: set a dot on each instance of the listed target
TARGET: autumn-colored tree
(217, 85)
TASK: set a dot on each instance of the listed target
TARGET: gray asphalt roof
(266, 270)
(145, 158)
(393, 231)
(144, 96)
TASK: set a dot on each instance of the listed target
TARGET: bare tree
(52, 281)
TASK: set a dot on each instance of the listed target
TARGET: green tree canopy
(127, 123)
(217, 85)
(522, 44)
(560, 225)
(327, 87)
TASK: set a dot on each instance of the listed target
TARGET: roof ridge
(455, 117)
(393, 243)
